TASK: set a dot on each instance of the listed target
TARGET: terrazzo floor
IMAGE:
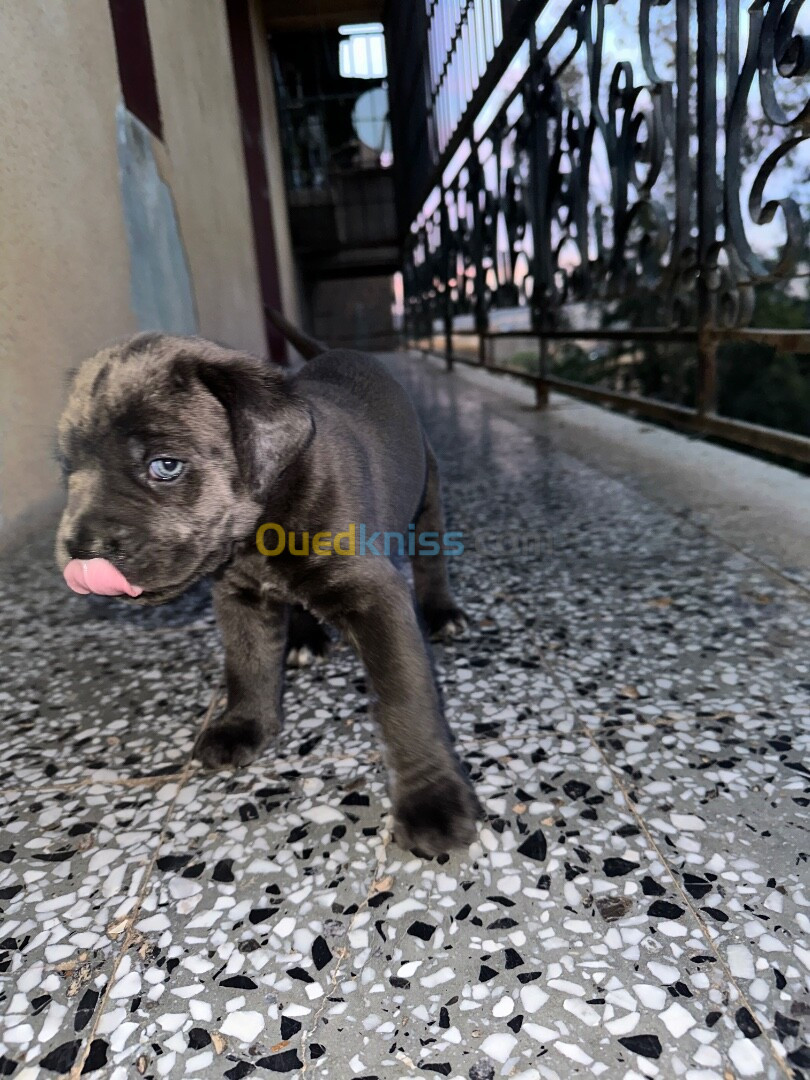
(632, 698)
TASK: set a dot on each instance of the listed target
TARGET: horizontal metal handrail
(765, 439)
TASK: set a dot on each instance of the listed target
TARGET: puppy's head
(171, 448)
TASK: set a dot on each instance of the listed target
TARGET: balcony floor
(633, 700)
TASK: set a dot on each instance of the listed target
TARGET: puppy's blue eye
(165, 468)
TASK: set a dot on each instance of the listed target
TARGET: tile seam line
(802, 590)
(129, 936)
(617, 779)
(797, 586)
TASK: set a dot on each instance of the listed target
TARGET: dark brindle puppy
(176, 450)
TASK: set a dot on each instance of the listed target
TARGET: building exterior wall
(65, 285)
(205, 166)
(64, 259)
(290, 296)
(354, 312)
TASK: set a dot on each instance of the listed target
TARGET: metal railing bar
(754, 435)
(450, 49)
(514, 34)
(769, 440)
(649, 333)
(797, 341)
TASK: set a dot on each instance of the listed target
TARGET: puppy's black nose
(90, 542)
(80, 545)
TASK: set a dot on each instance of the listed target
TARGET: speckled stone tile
(725, 797)
(542, 944)
(71, 867)
(632, 699)
(281, 920)
(91, 688)
(251, 908)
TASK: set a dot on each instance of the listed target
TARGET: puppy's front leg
(435, 807)
(254, 633)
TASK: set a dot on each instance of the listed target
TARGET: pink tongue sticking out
(99, 577)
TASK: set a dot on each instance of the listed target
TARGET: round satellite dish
(370, 120)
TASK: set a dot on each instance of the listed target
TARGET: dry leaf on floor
(116, 929)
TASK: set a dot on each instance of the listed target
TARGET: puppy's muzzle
(90, 539)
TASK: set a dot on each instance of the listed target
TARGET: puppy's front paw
(444, 622)
(231, 742)
(437, 817)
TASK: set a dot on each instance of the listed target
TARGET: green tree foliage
(762, 386)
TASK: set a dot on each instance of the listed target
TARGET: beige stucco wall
(64, 259)
(64, 262)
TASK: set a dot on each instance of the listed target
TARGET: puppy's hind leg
(254, 633)
(308, 639)
(442, 616)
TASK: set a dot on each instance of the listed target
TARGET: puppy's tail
(306, 345)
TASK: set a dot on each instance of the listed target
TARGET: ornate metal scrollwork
(584, 189)
(773, 50)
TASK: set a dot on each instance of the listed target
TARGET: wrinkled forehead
(132, 394)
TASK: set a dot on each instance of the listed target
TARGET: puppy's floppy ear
(270, 424)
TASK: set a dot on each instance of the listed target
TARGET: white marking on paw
(300, 658)
(452, 628)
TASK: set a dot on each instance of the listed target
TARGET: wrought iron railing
(624, 204)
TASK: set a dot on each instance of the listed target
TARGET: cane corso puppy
(176, 451)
